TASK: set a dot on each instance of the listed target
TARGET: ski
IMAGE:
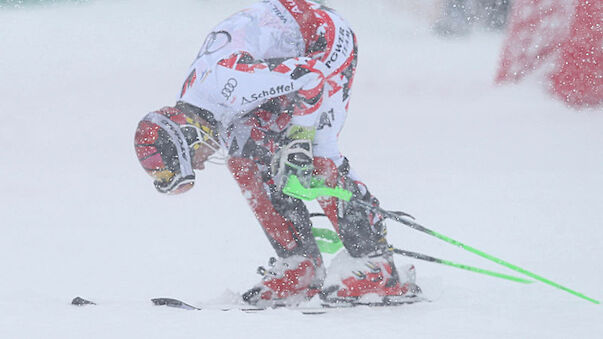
(335, 305)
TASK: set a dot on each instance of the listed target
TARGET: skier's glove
(293, 159)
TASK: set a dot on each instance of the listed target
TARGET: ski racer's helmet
(166, 144)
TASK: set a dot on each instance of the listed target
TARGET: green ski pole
(296, 189)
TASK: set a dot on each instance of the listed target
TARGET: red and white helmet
(166, 144)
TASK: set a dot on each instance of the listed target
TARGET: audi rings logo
(229, 87)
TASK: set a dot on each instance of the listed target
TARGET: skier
(271, 85)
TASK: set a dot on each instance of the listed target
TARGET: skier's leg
(367, 265)
(299, 271)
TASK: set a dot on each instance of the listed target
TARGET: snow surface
(505, 169)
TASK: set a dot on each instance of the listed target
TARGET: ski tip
(79, 301)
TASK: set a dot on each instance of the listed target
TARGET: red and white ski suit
(276, 64)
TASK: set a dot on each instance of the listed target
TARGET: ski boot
(286, 282)
(369, 280)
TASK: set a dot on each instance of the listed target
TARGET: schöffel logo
(229, 87)
(269, 93)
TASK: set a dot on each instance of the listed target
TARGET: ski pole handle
(317, 189)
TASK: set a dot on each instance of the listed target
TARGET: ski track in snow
(507, 170)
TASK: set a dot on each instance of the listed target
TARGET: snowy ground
(505, 169)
